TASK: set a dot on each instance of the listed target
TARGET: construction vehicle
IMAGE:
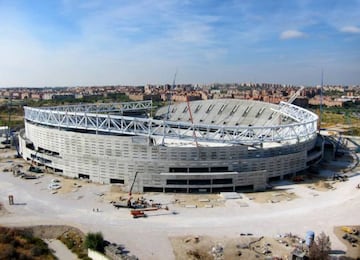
(140, 213)
(337, 177)
(28, 176)
(34, 168)
(298, 178)
(138, 206)
(350, 230)
(128, 203)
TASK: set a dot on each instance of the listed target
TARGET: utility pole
(9, 119)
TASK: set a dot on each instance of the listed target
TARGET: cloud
(350, 29)
(291, 34)
(144, 41)
(196, 33)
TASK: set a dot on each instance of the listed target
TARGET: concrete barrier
(95, 255)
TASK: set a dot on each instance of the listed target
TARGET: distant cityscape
(333, 95)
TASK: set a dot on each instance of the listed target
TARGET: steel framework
(105, 108)
(97, 118)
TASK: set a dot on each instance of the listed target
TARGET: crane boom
(170, 97)
(297, 93)
(132, 184)
(191, 119)
(290, 101)
(169, 104)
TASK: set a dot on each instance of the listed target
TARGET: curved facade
(230, 145)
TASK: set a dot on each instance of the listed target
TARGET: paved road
(60, 250)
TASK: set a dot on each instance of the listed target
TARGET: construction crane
(131, 188)
(168, 111)
(291, 99)
(128, 203)
(321, 100)
(297, 93)
(192, 121)
(170, 96)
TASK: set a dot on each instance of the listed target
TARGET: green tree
(95, 241)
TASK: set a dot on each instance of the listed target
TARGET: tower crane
(168, 111)
(192, 121)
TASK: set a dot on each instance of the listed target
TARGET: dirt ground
(116, 193)
(51, 231)
(70, 185)
(272, 196)
(199, 201)
(3, 210)
(352, 249)
(239, 246)
(243, 247)
(322, 185)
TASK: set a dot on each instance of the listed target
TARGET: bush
(15, 243)
(36, 251)
(5, 238)
(320, 248)
(7, 252)
(69, 243)
(40, 249)
(95, 241)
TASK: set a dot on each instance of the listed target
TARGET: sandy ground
(301, 209)
(352, 249)
(247, 247)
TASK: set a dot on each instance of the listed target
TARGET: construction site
(228, 225)
(206, 146)
(196, 180)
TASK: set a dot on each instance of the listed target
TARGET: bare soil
(51, 231)
(352, 249)
(322, 185)
(243, 247)
(273, 196)
(3, 210)
(199, 201)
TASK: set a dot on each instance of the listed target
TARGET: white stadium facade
(198, 146)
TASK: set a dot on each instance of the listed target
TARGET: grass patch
(19, 244)
(75, 242)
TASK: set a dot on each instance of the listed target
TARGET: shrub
(321, 248)
(95, 241)
(7, 252)
(5, 238)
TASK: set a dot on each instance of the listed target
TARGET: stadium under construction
(198, 146)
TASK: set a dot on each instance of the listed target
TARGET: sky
(127, 42)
